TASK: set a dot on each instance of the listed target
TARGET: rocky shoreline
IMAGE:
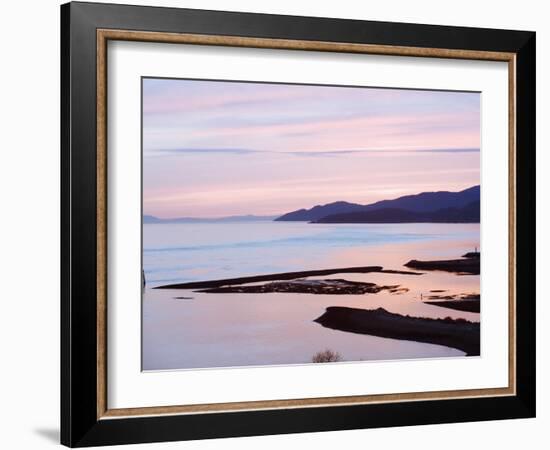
(281, 276)
(465, 266)
(459, 305)
(456, 333)
(459, 302)
(327, 287)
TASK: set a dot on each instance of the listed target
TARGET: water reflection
(184, 329)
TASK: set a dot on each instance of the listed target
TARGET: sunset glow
(214, 149)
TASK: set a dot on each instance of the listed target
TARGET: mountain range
(229, 219)
(440, 207)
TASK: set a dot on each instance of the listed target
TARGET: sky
(218, 148)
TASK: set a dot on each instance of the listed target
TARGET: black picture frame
(80, 425)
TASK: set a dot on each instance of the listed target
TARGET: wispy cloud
(205, 151)
(449, 150)
(307, 153)
(217, 148)
(331, 153)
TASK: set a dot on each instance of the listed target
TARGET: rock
(456, 333)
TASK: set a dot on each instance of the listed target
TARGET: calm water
(221, 330)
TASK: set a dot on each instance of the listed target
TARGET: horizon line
(230, 216)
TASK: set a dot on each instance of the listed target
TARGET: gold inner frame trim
(103, 36)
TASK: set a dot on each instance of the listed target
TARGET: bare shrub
(326, 356)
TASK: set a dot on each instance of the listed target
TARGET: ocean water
(206, 330)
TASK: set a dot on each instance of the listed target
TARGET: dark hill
(430, 201)
(418, 203)
(319, 211)
(466, 214)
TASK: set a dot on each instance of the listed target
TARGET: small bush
(326, 356)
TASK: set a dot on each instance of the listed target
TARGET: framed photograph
(277, 224)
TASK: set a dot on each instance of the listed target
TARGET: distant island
(427, 207)
(229, 219)
(432, 207)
